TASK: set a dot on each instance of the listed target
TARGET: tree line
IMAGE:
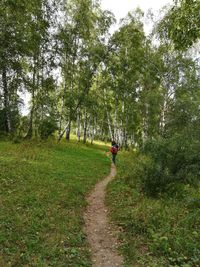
(81, 79)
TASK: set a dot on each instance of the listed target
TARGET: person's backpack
(113, 150)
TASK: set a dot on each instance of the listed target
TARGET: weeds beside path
(160, 231)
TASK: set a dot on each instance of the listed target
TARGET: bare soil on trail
(101, 237)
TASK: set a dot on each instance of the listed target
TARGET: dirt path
(100, 236)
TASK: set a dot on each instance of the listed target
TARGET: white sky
(121, 7)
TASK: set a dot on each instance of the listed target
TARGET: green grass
(42, 199)
(161, 231)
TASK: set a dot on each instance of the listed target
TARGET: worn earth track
(100, 236)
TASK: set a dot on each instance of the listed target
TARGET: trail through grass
(42, 198)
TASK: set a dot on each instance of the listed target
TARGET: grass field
(42, 198)
(155, 232)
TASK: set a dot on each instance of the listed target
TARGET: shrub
(47, 127)
(165, 164)
(2, 121)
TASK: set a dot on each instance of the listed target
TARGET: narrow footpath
(101, 236)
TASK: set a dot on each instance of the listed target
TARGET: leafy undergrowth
(42, 198)
(162, 231)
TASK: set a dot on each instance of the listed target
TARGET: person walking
(114, 149)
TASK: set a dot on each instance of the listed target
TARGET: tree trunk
(60, 118)
(110, 126)
(30, 127)
(163, 116)
(6, 101)
(63, 132)
(85, 129)
(115, 130)
(125, 139)
(68, 130)
(93, 131)
(78, 130)
(101, 131)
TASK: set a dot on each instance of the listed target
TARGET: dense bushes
(47, 128)
(14, 122)
(165, 163)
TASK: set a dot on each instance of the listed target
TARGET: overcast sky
(121, 7)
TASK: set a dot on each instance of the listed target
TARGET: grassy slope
(154, 232)
(42, 191)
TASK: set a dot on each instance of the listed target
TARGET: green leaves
(182, 24)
